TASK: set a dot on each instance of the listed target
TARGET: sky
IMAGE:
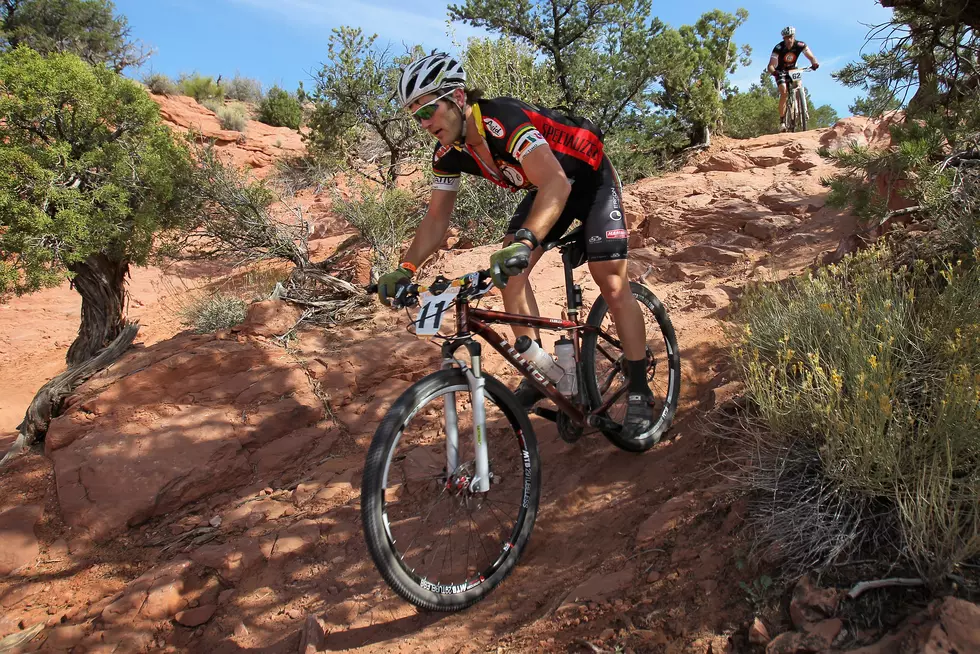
(285, 41)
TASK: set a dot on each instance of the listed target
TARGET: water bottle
(565, 351)
(539, 358)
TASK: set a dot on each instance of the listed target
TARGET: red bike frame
(474, 320)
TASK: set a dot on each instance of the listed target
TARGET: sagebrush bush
(300, 172)
(160, 84)
(232, 117)
(213, 104)
(200, 87)
(876, 371)
(280, 109)
(213, 312)
(384, 217)
(243, 89)
(483, 211)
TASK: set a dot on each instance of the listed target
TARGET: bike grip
(517, 262)
(371, 289)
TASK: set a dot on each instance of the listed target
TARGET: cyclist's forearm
(428, 237)
(547, 207)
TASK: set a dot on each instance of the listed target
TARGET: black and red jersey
(513, 129)
(787, 57)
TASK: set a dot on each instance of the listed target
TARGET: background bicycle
(452, 478)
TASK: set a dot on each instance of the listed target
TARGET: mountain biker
(783, 59)
(559, 161)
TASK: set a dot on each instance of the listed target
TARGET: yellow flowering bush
(877, 370)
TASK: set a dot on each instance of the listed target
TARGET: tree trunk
(47, 403)
(101, 283)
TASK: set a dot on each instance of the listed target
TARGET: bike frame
(472, 320)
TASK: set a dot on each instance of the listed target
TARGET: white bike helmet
(789, 31)
(429, 74)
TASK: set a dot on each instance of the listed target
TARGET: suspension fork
(477, 385)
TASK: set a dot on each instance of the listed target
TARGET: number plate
(433, 307)
(796, 75)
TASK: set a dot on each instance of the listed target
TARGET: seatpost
(572, 307)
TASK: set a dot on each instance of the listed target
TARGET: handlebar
(407, 294)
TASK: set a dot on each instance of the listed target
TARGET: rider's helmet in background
(435, 72)
(789, 31)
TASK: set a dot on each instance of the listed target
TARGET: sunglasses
(429, 109)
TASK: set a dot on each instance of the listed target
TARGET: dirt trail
(203, 494)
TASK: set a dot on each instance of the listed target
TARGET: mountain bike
(797, 113)
(444, 523)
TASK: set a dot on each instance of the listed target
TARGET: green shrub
(200, 87)
(244, 89)
(385, 217)
(483, 211)
(280, 109)
(232, 117)
(160, 84)
(866, 379)
(213, 104)
(213, 312)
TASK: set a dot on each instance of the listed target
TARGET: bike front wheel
(802, 111)
(437, 542)
(604, 366)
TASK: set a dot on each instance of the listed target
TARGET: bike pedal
(547, 414)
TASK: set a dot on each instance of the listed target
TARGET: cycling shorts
(782, 76)
(595, 200)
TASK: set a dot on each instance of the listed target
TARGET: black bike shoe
(640, 421)
(528, 395)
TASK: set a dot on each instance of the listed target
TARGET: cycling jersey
(787, 56)
(512, 130)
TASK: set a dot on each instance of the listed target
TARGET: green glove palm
(508, 262)
(389, 282)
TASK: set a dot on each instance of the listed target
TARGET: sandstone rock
(724, 395)
(664, 519)
(601, 586)
(155, 595)
(812, 604)
(269, 318)
(18, 544)
(726, 161)
(767, 228)
(758, 634)
(708, 253)
(65, 637)
(176, 429)
(794, 642)
(806, 162)
(230, 560)
(712, 298)
(948, 626)
(259, 147)
(304, 492)
(786, 197)
(313, 636)
(828, 629)
(299, 537)
(196, 617)
(675, 272)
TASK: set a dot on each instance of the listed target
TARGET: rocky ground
(203, 494)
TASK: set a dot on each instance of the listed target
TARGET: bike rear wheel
(438, 544)
(604, 366)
